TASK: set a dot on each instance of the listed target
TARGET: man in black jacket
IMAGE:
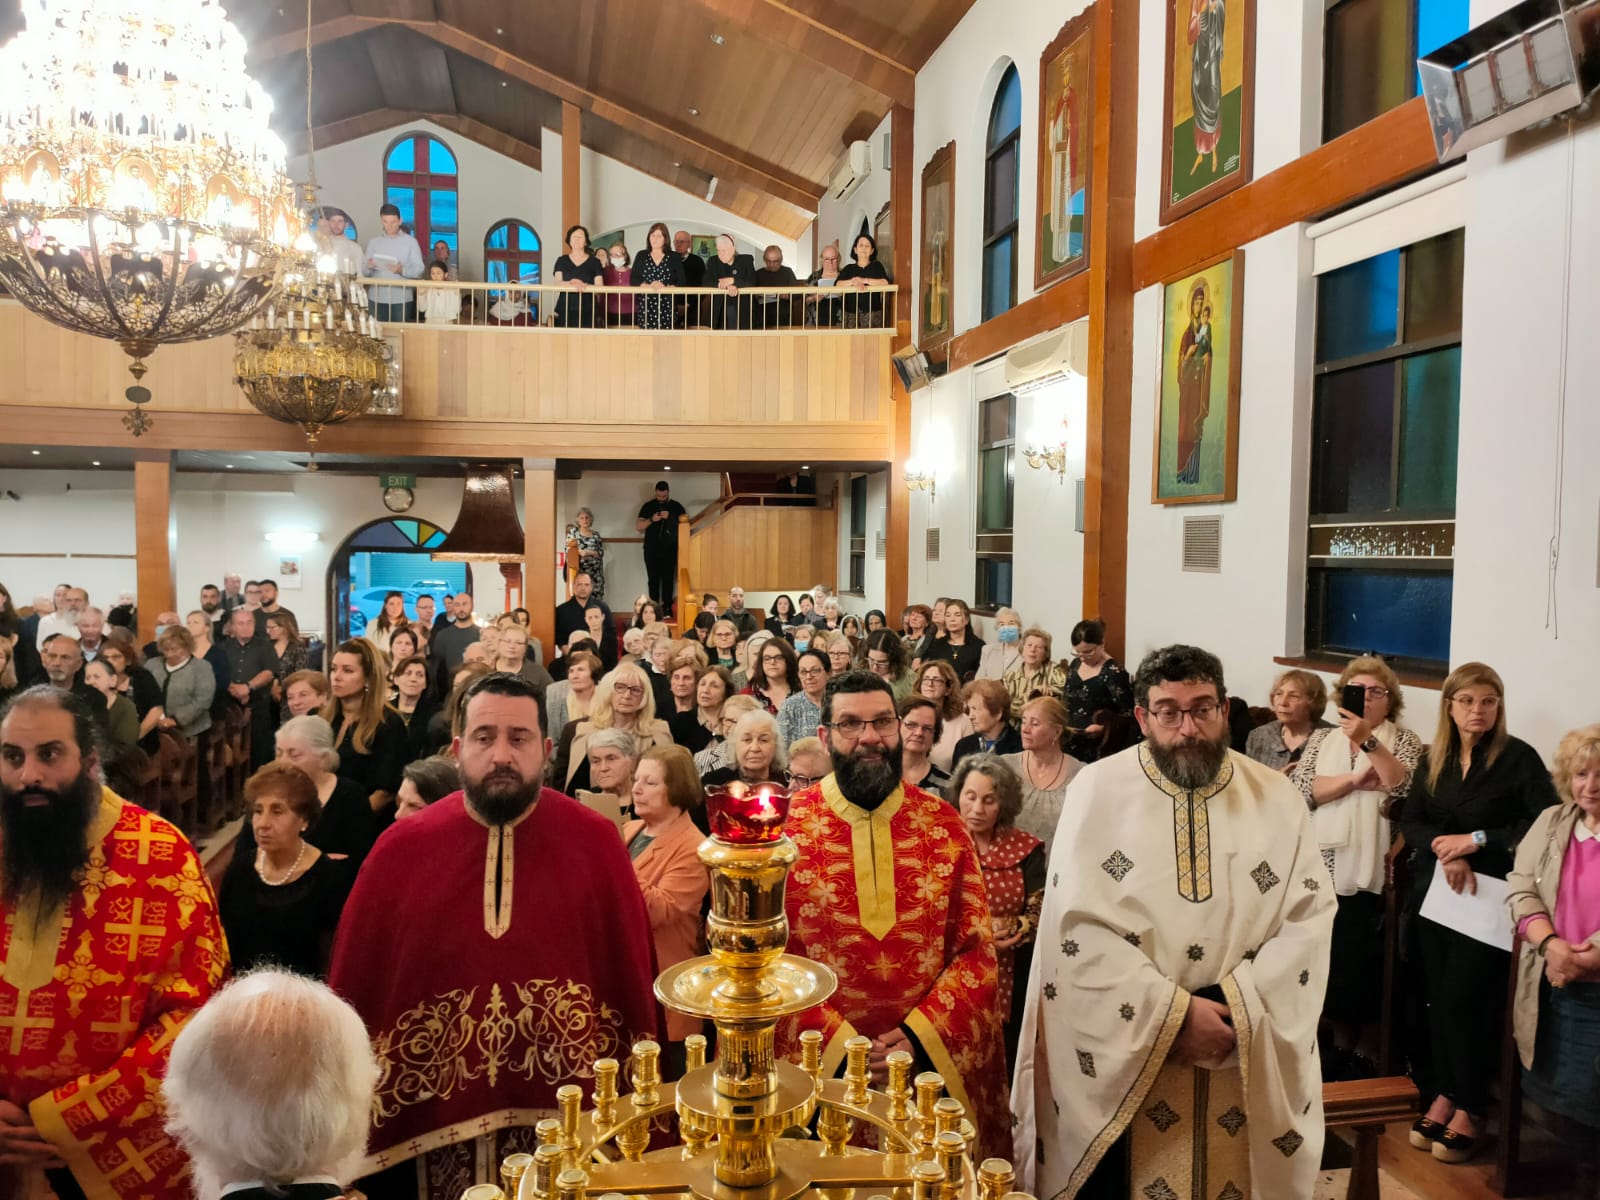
(569, 616)
(694, 275)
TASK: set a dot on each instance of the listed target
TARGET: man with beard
(110, 942)
(1170, 1035)
(507, 918)
(888, 891)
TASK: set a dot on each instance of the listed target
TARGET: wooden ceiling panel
(346, 86)
(508, 104)
(412, 70)
(263, 20)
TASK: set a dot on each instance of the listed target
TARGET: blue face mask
(801, 643)
(160, 629)
(1008, 633)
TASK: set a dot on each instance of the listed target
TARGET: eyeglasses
(627, 689)
(916, 727)
(1489, 703)
(803, 781)
(805, 672)
(1376, 692)
(852, 727)
(1170, 717)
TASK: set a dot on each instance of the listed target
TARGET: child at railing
(440, 306)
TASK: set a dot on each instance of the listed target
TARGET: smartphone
(1353, 699)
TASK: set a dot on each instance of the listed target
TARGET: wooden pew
(1365, 1106)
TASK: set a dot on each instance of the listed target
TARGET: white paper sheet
(1484, 917)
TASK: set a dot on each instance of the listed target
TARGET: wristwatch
(1480, 838)
(1370, 744)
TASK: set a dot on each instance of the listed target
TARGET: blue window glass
(1354, 434)
(440, 160)
(1441, 21)
(442, 210)
(998, 261)
(406, 201)
(527, 239)
(402, 156)
(1393, 613)
(1429, 423)
(1006, 116)
(1358, 308)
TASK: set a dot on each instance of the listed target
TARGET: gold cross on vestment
(20, 1022)
(136, 929)
(89, 1095)
(146, 837)
(124, 1025)
(136, 1159)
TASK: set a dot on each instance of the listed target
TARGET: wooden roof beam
(779, 24)
(294, 42)
(723, 161)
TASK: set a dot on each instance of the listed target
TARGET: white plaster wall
(492, 189)
(98, 510)
(875, 582)
(841, 220)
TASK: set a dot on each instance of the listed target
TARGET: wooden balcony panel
(760, 395)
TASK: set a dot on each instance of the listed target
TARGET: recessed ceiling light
(498, 30)
(805, 466)
(677, 164)
(666, 468)
(503, 83)
(230, 466)
(38, 451)
(95, 463)
(718, 39)
(693, 111)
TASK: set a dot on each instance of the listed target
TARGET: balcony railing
(819, 310)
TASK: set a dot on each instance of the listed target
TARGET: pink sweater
(1577, 915)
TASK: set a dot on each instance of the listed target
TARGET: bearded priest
(888, 891)
(111, 942)
(496, 945)
(1169, 1044)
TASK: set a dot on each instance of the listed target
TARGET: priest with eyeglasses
(1169, 1044)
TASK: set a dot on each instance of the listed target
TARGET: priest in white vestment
(1170, 1034)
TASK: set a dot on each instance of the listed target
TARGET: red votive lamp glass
(746, 815)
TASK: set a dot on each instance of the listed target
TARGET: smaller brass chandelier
(316, 357)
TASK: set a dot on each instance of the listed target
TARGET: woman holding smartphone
(1353, 777)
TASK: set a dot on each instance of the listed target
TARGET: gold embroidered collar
(872, 849)
(498, 870)
(1191, 825)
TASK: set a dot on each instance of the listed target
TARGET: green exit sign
(405, 481)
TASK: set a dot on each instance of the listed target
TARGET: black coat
(674, 264)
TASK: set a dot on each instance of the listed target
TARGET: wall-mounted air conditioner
(1049, 359)
(1535, 61)
(855, 168)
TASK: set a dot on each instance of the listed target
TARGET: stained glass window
(1000, 208)
(426, 198)
(1383, 456)
(1371, 48)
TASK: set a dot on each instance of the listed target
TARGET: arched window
(511, 253)
(419, 177)
(1000, 173)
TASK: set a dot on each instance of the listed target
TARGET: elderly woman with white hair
(613, 755)
(719, 753)
(1005, 652)
(345, 826)
(758, 753)
(269, 1090)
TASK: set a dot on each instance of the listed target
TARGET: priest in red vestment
(888, 891)
(496, 944)
(111, 942)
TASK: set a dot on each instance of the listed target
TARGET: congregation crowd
(590, 279)
(989, 755)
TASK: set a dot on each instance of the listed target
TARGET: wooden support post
(1105, 536)
(539, 539)
(571, 165)
(897, 526)
(155, 535)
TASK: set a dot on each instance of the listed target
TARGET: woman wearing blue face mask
(1005, 652)
(802, 637)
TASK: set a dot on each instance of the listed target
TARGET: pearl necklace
(261, 863)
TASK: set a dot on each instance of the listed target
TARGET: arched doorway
(392, 554)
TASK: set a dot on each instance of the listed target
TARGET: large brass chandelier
(316, 357)
(142, 195)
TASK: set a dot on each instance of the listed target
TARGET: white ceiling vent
(932, 551)
(1202, 544)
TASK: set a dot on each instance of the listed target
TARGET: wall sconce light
(293, 541)
(919, 478)
(1046, 449)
